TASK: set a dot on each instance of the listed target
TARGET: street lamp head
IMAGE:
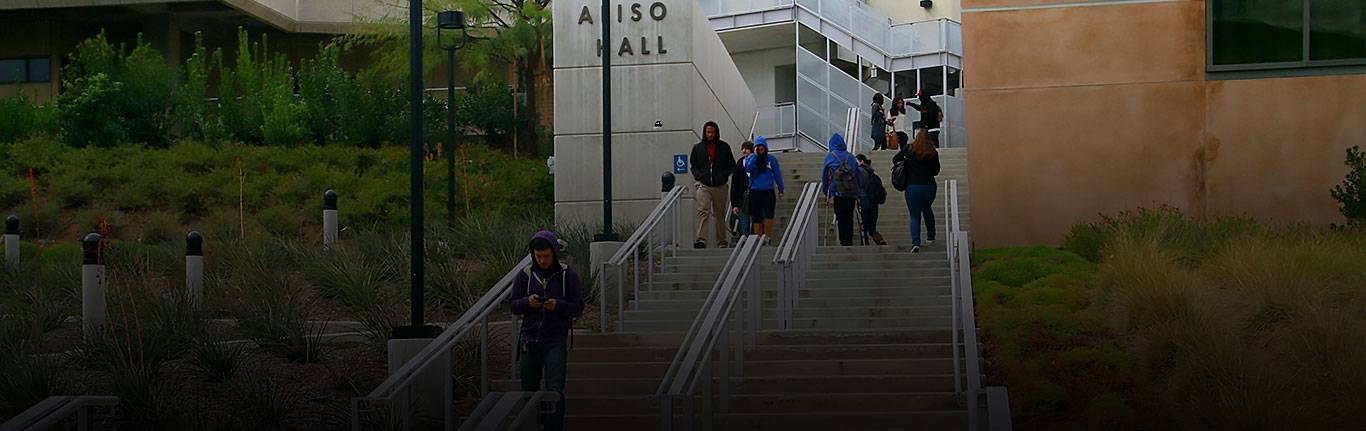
(450, 20)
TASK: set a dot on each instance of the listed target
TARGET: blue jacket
(540, 325)
(768, 178)
(839, 154)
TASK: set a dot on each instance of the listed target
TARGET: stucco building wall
(1106, 106)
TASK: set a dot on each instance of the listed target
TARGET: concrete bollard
(12, 241)
(92, 286)
(194, 266)
(329, 218)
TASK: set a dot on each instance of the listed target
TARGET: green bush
(114, 98)
(21, 118)
(1351, 194)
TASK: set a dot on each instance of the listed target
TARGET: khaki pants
(711, 207)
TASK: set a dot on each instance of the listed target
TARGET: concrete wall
(907, 11)
(1103, 107)
(757, 67)
(694, 81)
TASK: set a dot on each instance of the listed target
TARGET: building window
(34, 69)
(1280, 34)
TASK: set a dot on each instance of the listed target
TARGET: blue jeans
(553, 358)
(919, 200)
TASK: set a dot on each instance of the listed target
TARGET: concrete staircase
(870, 348)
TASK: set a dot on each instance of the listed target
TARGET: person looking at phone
(549, 296)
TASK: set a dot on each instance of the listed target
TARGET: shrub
(216, 359)
(21, 118)
(1351, 194)
(488, 107)
(113, 98)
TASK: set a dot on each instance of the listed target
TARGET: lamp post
(417, 152)
(451, 20)
(607, 234)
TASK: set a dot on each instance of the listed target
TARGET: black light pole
(607, 234)
(450, 20)
(417, 151)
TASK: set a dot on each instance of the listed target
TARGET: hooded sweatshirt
(769, 176)
(560, 282)
(712, 162)
(837, 155)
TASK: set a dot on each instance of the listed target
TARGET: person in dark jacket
(930, 116)
(922, 165)
(739, 193)
(712, 165)
(765, 187)
(549, 296)
(837, 160)
(868, 202)
(879, 126)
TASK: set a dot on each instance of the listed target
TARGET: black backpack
(899, 175)
(877, 194)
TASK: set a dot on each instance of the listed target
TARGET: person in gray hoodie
(549, 296)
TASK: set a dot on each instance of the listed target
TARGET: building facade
(793, 71)
(1219, 108)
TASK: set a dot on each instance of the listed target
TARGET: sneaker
(723, 244)
(915, 249)
(877, 239)
(699, 244)
(929, 242)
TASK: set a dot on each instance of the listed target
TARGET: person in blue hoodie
(764, 177)
(839, 175)
(549, 296)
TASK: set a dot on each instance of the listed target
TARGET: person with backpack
(712, 165)
(765, 175)
(739, 197)
(873, 196)
(549, 296)
(839, 174)
(879, 128)
(913, 170)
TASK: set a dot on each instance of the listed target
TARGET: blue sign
(680, 163)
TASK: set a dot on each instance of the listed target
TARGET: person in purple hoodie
(549, 296)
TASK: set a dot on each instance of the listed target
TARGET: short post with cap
(92, 285)
(12, 241)
(194, 267)
(329, 218)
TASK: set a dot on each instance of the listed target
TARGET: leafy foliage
(1351, 194)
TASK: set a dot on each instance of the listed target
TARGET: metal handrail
(951, 226)
(692, 363)
(644, 235)
(53, 410)
(960, 265)
(401, 381)
(793, 257)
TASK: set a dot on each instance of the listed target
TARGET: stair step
(872, 421)
(774, 352)
(689, 314)
(893, 402)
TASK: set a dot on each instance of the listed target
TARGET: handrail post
(483, 359)
(602, 298)
(953, 284)
(621, 301)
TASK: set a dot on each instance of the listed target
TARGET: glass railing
(824, 96)
(873, 28)
(775, 121)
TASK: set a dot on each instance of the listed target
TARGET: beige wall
(1101, 108)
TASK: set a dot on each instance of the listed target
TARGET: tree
(1351, 194)
(503, 35)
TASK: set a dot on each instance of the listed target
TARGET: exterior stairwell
(870, 345)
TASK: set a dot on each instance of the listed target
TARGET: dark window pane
(40, 69)
(955, 81)
(932, 80)
(1257, 31)
(905, 84)
(1337, 29)
(12, 70)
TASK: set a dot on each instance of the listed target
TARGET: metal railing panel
(662, 221)
(53, 410)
